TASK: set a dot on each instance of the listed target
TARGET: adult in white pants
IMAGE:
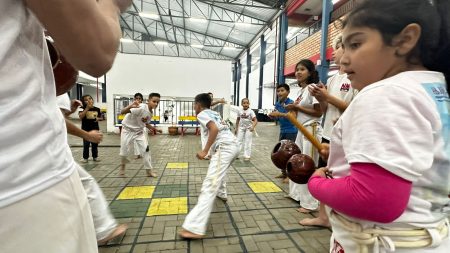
(43, 207)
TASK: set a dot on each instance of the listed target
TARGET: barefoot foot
(304, 210)
(150, 173)
(315, 222)
(189, 235)
(118, 231)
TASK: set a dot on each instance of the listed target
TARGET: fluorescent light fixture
(160, 42)
(198, 20)
(125, 40)
(196, 45)
(227, 47)
(149, 15)
(242, 24)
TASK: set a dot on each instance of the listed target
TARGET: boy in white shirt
(137, 119)
(224, 148)
(245, 125)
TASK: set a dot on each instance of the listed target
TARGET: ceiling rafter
(179, 22)
(199, 32)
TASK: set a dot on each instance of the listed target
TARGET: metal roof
(211, 29)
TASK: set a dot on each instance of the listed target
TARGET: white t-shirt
(395, 123)
(337, 86)
(306, 100)
(138, 118)
(34, 154)
(245, 118)
(223, 137)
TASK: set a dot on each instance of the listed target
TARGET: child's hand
(159, 131)
(252, 129)
(201, 155)
(321, 172)
(319, 91)
(325, 151)
(74, 104)
(94, 136)
(290, 107)
(135, 104)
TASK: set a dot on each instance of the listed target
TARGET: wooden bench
(186, 122)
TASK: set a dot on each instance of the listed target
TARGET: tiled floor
(256, 218)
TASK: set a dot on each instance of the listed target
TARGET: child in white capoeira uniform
(224, 148)
(308, 114)
(138, 117)
(333, 99)
(390, 149)
(139, 99)
(245, 125)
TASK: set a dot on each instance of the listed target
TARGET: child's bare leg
(123, 161)
(321, 220)
(305, 210)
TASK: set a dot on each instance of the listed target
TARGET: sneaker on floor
(96, 159)
(246, 159)
(84, 160)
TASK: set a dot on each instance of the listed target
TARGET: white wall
(268, 77)
(253, 88)
(169, 76)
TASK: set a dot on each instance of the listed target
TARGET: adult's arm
(87, 32)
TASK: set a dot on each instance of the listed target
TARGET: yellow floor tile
(166, 206)
(177, 165)
(260, 187)
(138, 192)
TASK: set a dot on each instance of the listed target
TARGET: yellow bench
(186, 122)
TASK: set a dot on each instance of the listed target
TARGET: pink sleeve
(370, 192)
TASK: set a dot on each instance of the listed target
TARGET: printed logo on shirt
(91, 115)
(345, 87)
(146, 119)
(244, 116)
(337, 248)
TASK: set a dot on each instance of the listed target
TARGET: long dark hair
(313, 74)
(389, 17)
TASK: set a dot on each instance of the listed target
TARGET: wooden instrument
(293, 119)
(65, 74)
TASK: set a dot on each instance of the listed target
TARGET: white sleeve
(252, 114)
(63, 102)
(389, 127)
(203, 119)
(136, 111)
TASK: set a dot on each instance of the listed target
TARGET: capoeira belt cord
(217, 172)
(417, 238)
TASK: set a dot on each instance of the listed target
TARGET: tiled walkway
(256, 218)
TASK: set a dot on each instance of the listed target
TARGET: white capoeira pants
(104, 221)
(245, 136)
(136, 146)
(300, 192)
(55, 220)
(130, 139)
(213, 185)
